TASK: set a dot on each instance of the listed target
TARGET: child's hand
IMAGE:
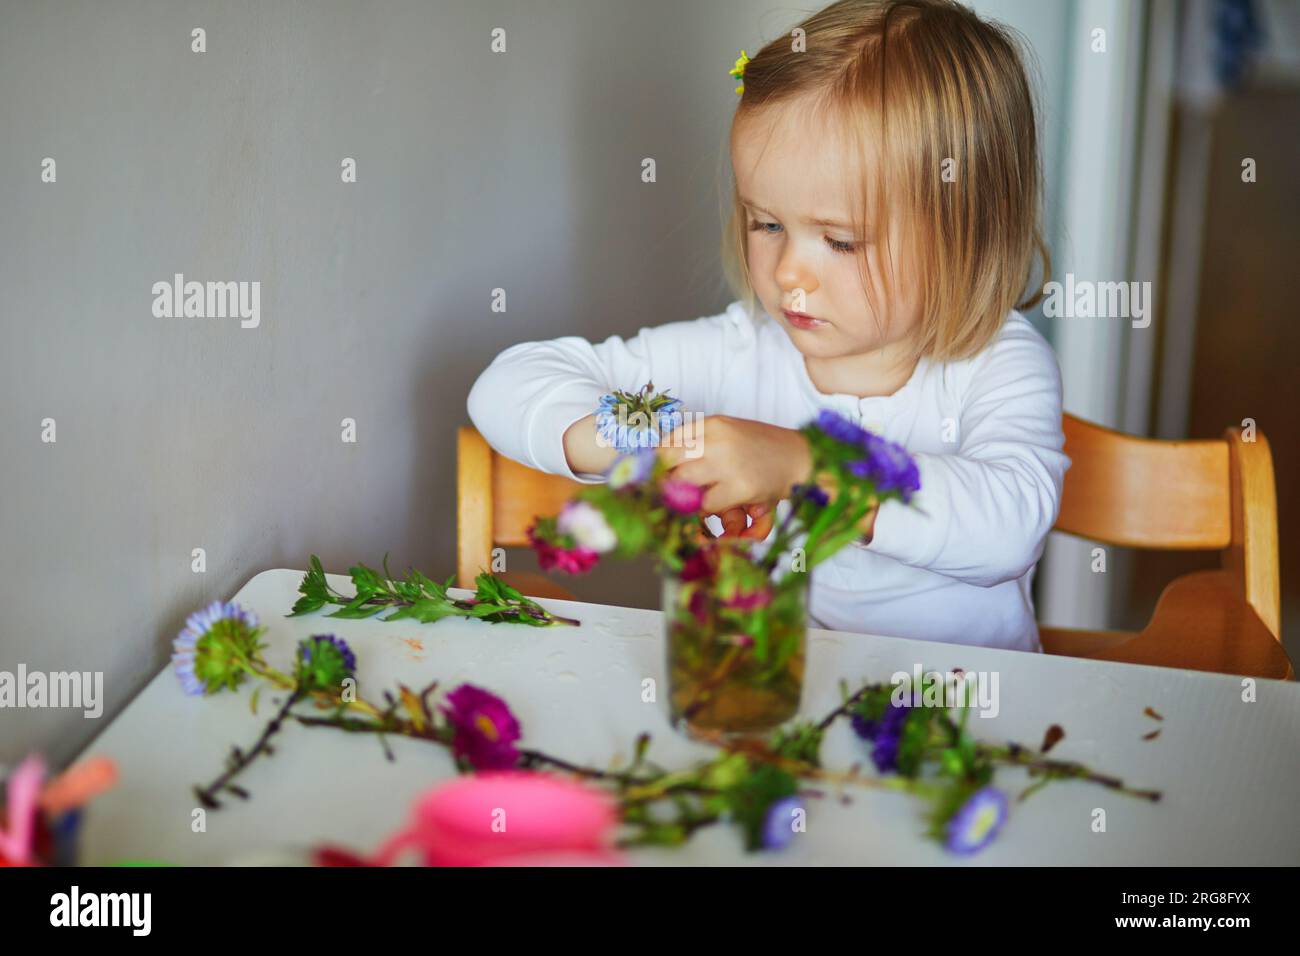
(742, 464)
(734, 520)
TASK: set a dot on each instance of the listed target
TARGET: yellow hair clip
(738, 71)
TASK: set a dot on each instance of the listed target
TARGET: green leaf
(427, 611)
(951, 762)
(802, 742)
(751, 798)
(726, 772)
(357, 609)
(305, 605)
(314, 589)
(366, 581)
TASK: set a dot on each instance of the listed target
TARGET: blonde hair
(917, 83)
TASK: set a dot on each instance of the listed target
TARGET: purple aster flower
(864, 728)
(885, 733)
(889, 466)
(778, 824)
(485, 729)
(840, 428)
(978, 821)
(811, 492)
(349, 659)
(324, 662)
(199, 663)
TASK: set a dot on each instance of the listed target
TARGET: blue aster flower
(778, 823)
(977, 822)
(208, 652)
(628, 421)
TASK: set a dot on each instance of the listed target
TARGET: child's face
(789, 175)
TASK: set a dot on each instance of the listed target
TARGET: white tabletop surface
(1229, 770)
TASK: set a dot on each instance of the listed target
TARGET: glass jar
(734, 670)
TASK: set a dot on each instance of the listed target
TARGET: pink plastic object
(24, 789)
(509, 818)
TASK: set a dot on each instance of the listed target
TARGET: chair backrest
(497, 498)
(1120, 489)
(1212, 495)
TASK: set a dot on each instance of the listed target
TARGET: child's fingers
(761, 527)
(733, 521)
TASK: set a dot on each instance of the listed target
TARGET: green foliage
(418, 598)
(223, 654)
(801, 741)
(753, 795)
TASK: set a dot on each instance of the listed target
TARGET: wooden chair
(1210, 495)
(1119, 490)
(496, 500)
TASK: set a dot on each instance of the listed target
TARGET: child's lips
(801, 321)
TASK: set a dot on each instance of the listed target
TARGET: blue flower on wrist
(630, 421)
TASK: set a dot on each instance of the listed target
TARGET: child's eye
(773, 228)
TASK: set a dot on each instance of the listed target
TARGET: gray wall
(475, 170)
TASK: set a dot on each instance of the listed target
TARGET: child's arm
(583, 449)
(984, 511)
(536, 402)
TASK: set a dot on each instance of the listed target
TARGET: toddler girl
(884, 229)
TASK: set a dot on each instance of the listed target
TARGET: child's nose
(793, 273)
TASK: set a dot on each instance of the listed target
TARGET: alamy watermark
(625, 425)
(130, 910)
(974, 689)
(38, 689)
(208, 300)
(1084, 299)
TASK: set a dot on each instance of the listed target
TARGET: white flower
(588, 527)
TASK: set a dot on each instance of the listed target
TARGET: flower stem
(240, 760)
(1019, 756)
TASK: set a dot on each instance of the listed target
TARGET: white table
(1229, 770)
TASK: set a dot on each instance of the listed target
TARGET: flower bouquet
(735, 611)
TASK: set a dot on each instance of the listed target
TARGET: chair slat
(520, 494)
(1145, 493)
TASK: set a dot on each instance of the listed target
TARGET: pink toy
(24, 789)
(509, 818)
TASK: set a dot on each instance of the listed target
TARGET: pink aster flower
(749, 600)
(486, 730)
(568, 560)
(697, 566)
(699, 606)
(682, 496)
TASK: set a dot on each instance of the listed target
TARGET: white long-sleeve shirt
(985, 432)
